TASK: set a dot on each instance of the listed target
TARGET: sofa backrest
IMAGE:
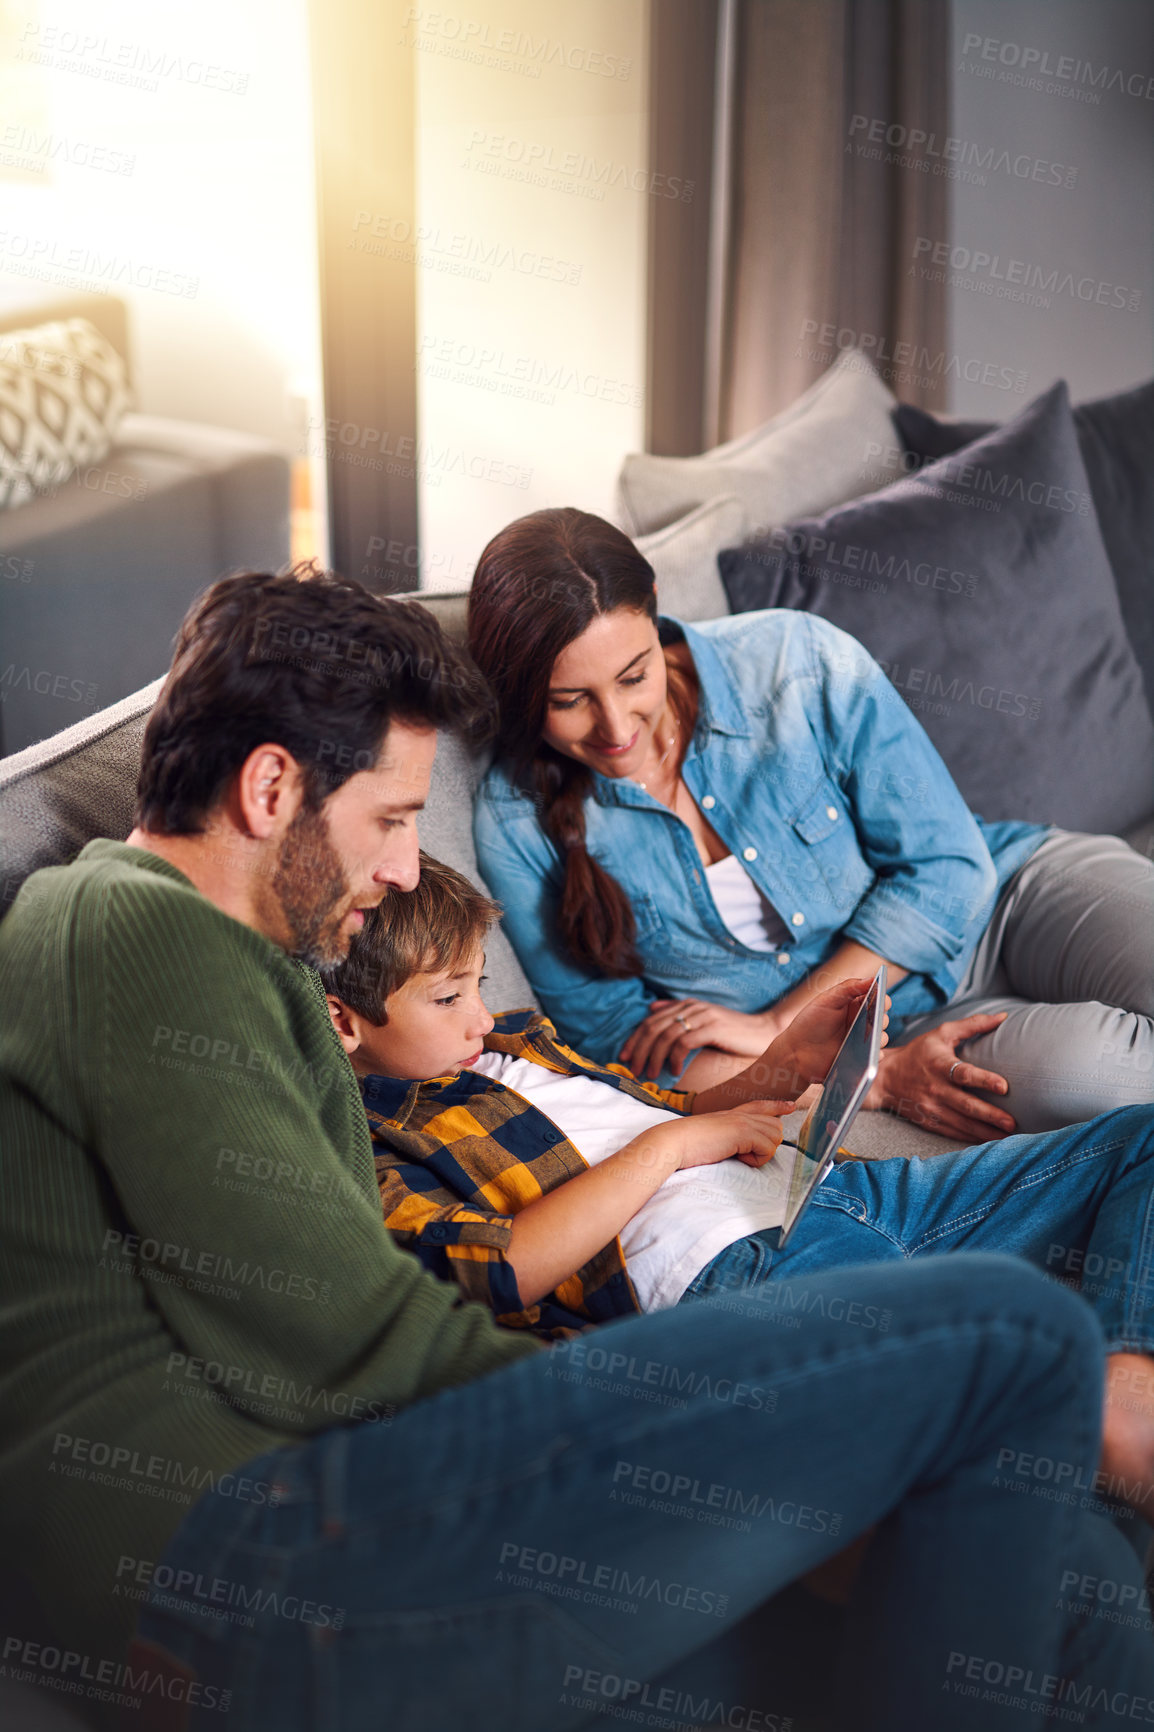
(22, 306)
(81, 783)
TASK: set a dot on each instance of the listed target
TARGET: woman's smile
(607, 751)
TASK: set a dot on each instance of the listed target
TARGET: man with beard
(334, 1492)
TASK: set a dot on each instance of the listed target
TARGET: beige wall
(532, 194)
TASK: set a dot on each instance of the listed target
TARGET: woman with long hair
(695, 828)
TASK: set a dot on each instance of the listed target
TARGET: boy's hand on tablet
(750, 1132)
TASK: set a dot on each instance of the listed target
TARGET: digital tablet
(832, 1114)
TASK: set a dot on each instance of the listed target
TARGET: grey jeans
(1069, 953)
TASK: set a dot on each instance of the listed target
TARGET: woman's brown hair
(538, 585)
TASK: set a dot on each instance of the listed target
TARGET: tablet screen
(833, 1112)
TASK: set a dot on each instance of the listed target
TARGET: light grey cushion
(684, 558)
(81, 783)
(448, 608)
(818, 453)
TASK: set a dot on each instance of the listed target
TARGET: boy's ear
(343, 1023)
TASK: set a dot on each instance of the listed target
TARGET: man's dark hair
(411, 932)
(311, 661)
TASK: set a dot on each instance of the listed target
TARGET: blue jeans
(564, 1543)
(1078, 1203)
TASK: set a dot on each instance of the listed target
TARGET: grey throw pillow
(1116, 439)
(813, 455)
(982, 586)
(684, 558)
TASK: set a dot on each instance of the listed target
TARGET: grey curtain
(830, 189)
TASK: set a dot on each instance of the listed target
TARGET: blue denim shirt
(822, 782)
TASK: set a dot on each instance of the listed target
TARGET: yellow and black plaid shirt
(458, 1156)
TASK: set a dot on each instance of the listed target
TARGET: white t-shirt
(695, 1214)
(746, 912)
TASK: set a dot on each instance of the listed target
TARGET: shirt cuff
(905, 936)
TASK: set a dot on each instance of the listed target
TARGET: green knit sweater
(193, 1263)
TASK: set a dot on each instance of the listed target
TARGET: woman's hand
(915, 1081)
(675, 1027)
(751, 1132)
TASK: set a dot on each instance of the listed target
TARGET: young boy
(561, 1192)
(557, 1191)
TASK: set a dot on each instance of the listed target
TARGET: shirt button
(798, 919)
(831, 813)
(749, 853)
(783, 957)
(708, 802)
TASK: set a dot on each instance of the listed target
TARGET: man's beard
(310, 884)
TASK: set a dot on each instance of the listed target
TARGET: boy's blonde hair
(418, 931)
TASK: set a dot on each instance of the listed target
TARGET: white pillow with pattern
(63, 391)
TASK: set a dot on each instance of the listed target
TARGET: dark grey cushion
(982, 586)
(1116, 439)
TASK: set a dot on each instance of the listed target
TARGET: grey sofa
(96, 575)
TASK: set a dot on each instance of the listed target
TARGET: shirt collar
(395, 1097)
(719, 711)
